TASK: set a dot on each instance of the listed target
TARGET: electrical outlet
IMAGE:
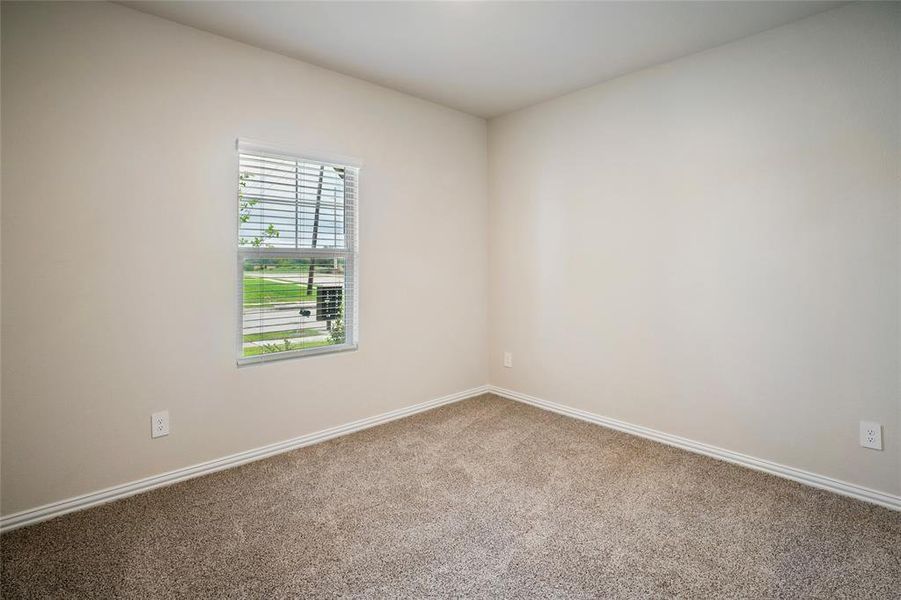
(508, 360)
(159, 424)
(871, 435)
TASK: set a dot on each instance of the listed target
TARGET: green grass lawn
(281, 335)
(260, 291)
(280, 347)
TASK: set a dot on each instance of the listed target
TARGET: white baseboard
(812, 479)
(55, 509)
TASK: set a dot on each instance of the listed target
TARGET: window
(297, 255)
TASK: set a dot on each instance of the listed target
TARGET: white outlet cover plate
(159, 424)
(871, 435)
(508, 359)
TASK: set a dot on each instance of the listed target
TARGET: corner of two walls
(708, 247)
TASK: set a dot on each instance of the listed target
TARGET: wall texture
(711, 247)
(118, 233)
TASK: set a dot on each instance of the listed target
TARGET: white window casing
(297, 255)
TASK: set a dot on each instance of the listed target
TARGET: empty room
(450, 299)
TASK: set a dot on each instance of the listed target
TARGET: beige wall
(118, 234)
(711, 247)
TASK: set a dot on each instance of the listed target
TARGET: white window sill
(279, 356)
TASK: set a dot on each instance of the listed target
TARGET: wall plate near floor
(159, 424)
(871, 435)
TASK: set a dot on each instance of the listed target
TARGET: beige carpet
(483, 498)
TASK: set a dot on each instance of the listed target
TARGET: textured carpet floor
(483, 498)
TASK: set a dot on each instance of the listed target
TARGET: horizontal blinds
(294, 305)
(296, 246)
(294, 203)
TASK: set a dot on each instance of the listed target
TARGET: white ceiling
(484, 58)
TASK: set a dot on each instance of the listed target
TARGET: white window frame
(350, 254)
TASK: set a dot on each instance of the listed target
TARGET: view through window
(296, 255)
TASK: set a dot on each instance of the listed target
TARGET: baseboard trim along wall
(56, 509)
(812, 479)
